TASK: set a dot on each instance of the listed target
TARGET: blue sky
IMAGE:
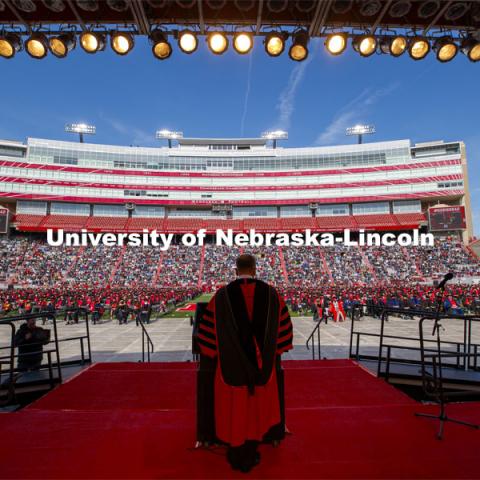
(128, 98)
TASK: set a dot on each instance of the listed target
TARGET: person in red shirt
(246, 327)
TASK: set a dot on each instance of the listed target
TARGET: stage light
(37, 45)
(369, 8)
(456, 11)
(365, 45)
(118, 5)
(428, 8)
(187, 41)
(217, 42)
(394, 46)
(10, 44)
(27, 6)
(242, 43)
(275, 44)
(445, 48)
(56, 6)
(418, 48)
(400, 8)
(471, 48)
(121, 42)
(92, 42)
(299, 51)
(161, 47)
(336, 43)
(88, 5)
(62, 45)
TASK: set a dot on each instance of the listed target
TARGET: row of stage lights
(38, 44)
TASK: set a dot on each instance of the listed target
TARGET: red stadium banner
(447, 218)
(3, 220)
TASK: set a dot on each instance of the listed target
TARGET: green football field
(205, 297)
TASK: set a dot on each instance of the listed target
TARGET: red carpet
(138, 421)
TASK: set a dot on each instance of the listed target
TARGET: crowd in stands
(86, 276)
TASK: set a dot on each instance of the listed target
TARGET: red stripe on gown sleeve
(207, 334)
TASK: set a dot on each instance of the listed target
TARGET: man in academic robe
(245, 327)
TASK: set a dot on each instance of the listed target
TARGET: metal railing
(147, 344)
(52, 364)
(470, 350)
(311, 339)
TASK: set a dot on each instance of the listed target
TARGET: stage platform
(131, 420)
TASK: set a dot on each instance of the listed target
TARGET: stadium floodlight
(394, 46)
(168, 135)
(336, 43)
(365, 45)
(418, 48)
(275, 135)
(92, 42)
(217, 42)
(471, 48)
(121, 42)
(10, 44)
(360, 130)
(61, 45)
(299, 50)
(161, 47)
(37, 45)
(80, 128)
(243, 42)
(445, 48)
(275, 43)
(187, 41)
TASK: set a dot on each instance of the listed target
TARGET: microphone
(446, 278)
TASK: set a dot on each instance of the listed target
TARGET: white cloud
(286, 100)
(133, 135)
(354, 112)
(247, 95)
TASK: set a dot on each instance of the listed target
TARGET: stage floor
(131, 420)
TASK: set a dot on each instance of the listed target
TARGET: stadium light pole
(360, 130)
(80, 128)
(275, 135)
(168, 135)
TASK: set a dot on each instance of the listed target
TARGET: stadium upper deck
(247, 177)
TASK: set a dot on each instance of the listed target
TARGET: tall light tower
(360, 130)
(275, 135)
(168, 135)
(80, 128)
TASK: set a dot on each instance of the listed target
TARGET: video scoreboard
(447, 218)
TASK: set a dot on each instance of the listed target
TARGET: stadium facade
(233, 183)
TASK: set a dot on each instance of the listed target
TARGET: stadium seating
(137, 224)
(107, 224)
(25, 222)
(297, 223)
(410, 219)
(376, 221)
(264, 224)
(181, 225)
(66, 222)
(335, 223)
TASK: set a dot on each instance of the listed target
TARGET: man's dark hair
(245, 262)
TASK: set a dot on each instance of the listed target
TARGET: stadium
(238, 184)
